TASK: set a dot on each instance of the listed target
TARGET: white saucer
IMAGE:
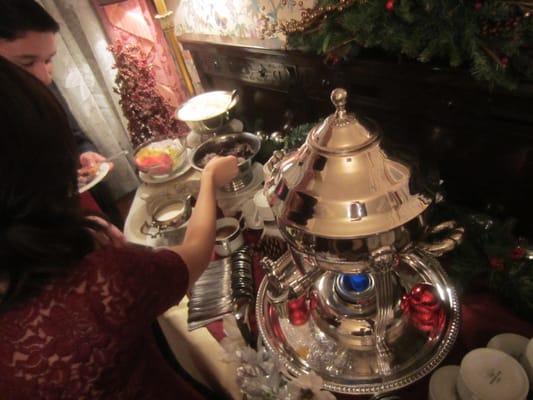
(185, 166)
(103, 170)
(490, 374)
(442, 383)
(510, 343)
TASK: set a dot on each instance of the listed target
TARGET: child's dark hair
(42, 229)
(17, 17)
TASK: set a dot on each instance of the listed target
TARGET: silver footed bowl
(225, 145)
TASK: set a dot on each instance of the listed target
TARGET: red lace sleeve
(130, 287)
(84, 335)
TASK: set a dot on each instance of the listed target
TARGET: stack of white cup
(501, 371)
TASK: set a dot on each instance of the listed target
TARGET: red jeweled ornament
(389, 5)
(505, 61)
(298, 311)
(423, 306)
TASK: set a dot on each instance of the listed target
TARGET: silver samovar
(374, 309)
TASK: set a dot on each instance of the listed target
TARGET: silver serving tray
(351, 370)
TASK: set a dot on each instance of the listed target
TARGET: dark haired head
(17, 17)
(42, 230)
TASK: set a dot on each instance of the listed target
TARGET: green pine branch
(490, 40)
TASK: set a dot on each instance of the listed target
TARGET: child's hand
(222, 169)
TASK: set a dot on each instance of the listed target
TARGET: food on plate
(160, 158)
(87, 174)
(240, 150)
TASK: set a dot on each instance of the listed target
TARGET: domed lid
(342, 132)
(340, 183)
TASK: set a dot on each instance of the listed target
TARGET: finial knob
(338, 98)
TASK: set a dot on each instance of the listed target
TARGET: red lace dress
(87, 336)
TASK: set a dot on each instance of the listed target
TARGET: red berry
(389, 5)
(497, 263)
(518, 253)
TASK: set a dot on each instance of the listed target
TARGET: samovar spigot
(287, 282)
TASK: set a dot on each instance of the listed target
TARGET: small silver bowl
(166, 213)
(220, 145)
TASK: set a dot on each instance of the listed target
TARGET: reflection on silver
(225, 287)
(344, 207)
(357, 211)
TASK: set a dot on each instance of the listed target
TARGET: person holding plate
(28, 39)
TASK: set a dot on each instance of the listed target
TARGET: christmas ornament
(298, 311)
(423, 307)
(278, 137)
(262, 135)
(389, 5)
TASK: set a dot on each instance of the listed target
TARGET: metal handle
(222, 120)
(278, 299)
(278, 271)
(439, 247)
(271, 170)
(219, 123)
(145, 230)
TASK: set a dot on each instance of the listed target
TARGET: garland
(491, 257)
(493, 37)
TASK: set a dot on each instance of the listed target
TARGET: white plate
(185, 166)
(442, 383)
(489, 374)
(103, 170)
